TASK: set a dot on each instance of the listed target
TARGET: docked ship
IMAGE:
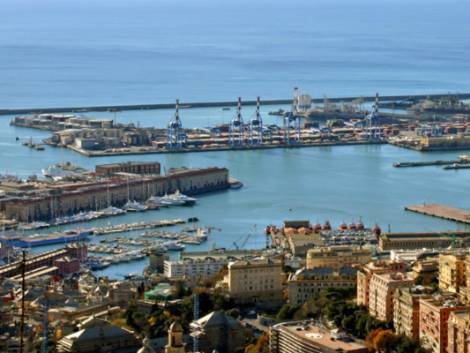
(61, 170)
(46, 239)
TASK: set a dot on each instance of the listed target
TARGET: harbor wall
(116, 192)
(220, 104)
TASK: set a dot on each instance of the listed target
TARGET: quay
(220, 148)
(441, 211)
(126, 227)
(221, 104)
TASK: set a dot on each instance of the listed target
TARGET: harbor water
(128, 52)
(342, 183)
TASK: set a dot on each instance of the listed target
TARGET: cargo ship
(46, 239)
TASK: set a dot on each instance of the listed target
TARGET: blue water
(56, 53)
(59, 53)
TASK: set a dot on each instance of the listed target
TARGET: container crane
(236, 126)
(176, 137)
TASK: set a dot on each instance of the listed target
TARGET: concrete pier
(441, 211)
(221, 104)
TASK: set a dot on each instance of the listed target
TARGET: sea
(76, 53)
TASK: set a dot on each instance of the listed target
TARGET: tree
(385, 341)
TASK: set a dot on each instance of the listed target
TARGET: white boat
(112, 211)
(182, 198)
(134, 206)
(174, 246)
(61, 170)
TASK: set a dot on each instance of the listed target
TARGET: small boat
(174, 246)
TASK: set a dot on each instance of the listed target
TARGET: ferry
(46, 239)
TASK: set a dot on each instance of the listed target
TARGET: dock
(428, 163)
(441, 211)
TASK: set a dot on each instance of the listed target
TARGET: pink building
(365, 274)
(382, 291)
(434, 321)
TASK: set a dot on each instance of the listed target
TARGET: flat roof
(322, 337)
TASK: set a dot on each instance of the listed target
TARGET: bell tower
(175, 339)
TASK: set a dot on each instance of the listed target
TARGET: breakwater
(220, 104)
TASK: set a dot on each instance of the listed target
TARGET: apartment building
(459, 332)
(306, 283)
(336, 257)
(406, 309)
(434, 321)
(382, 292)
(365, 274)
(257, 281)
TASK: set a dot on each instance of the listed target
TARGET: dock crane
(292, 120)
(373, 130)
(176, 137)
(236, 126)
(256, 126)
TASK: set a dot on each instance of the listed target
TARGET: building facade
(406, 310)
(365, 274)
(257, 281)
(305, 284)
(336, 257)
(434, 321)
(64, 199)
(193, 269)
(459, 332)
(128, 167)
(382, 292)
(452, 271)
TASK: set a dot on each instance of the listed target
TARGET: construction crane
(236, 126)
(244, 239)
